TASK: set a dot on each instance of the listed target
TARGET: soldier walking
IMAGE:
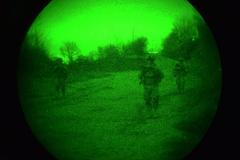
(60, 72)
(150, 78)
(179, 73)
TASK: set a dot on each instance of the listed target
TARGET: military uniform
(179, 73)
(61, 75)
(150, 78)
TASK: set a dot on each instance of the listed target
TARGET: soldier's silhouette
(60, 72)
(179, 72)
(150, 77)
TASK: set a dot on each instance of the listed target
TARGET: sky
(94, 23)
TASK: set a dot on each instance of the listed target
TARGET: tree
(70, 50)
(182, 41)
(109, 56)
(136, 48)
(34, 55)
(109, 52)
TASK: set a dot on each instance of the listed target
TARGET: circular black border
(19, 143)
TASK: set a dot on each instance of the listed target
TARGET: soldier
(150, 78)
(179, 73)
(60, 72)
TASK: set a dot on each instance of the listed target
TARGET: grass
(103, 117)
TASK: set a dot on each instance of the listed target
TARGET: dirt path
(104, 118)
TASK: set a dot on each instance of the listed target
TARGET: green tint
(97, 23)
(119, 80)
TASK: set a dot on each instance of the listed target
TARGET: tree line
(185, 41)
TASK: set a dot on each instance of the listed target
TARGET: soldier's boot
(58, 92)
(147, 102)
(63, 91)
(156, 103)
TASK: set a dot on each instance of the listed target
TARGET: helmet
(150, 59)
(59, 61)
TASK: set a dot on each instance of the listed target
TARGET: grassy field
(104, 117)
